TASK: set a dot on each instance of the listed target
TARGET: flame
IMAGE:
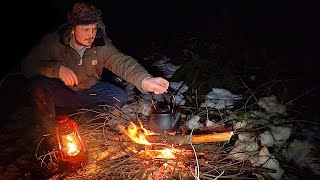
(159, 154)
(165, 165)
(138, 134)
(71, 144)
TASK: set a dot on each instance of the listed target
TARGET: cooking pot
(164, 117)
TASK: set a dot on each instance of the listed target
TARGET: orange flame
(138, 135)
(71, 144)
(159, 154)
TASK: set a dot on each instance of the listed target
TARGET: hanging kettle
(164, 117)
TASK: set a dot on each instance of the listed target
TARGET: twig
(197, 170)
(207, 113)
(196, 92)
(219, 175)
(252, 95)
(300, 96)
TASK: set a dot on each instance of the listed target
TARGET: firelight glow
(138, 135)
(165, 153)
(72, 147)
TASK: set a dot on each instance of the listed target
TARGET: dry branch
(185, 139)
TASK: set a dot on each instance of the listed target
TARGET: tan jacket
(54, 50)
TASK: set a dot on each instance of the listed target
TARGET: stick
(185, 139)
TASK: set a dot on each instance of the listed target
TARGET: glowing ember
(71, 144)
(158, 154)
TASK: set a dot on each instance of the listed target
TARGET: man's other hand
(157, 85)
(68, 76)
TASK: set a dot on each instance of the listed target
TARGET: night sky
(288, 30)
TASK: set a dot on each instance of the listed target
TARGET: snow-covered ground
(251, 145)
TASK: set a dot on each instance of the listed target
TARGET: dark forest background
(277, 41)
(282, 36)
(287, 30)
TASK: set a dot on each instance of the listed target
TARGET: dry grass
(111, 157)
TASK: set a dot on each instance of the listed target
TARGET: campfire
(155, 149)
(135, 152)
(139, 134)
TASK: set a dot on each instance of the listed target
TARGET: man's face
(85, 34)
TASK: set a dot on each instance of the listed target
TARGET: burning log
(141, 135)
(182, 139)
(185, 139)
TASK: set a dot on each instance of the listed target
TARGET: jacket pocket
(93, 68)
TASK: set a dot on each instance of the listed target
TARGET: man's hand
(68, 76)
(157, 85)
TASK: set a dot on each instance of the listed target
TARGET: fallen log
(141, 135)
(185, 139)
(182, 139)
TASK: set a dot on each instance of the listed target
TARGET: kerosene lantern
(71, 145)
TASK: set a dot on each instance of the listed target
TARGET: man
(65, 68)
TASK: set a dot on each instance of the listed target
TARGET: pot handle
(172, 103)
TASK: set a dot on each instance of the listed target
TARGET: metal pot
(164, 118)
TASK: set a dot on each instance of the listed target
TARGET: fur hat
(84, 13)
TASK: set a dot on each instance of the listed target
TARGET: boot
(44, 138)
(45, 111)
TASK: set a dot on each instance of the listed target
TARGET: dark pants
(48, 93)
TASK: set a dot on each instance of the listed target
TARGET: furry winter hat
(84, 13)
